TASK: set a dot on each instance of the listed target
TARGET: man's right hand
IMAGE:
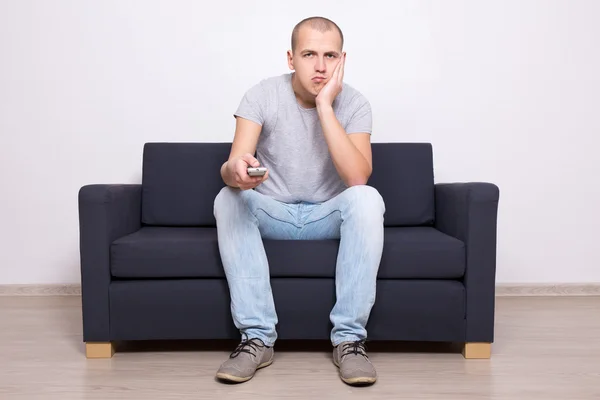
(237, 169)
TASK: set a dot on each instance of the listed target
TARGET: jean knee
(226, 200)
(367, 198)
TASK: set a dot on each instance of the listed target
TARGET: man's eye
(308, 54)
(330, 55)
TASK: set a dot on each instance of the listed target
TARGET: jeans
(355, 216)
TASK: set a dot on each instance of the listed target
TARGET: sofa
(151, 269)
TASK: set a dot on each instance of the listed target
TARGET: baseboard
(41, 290)
(547, 289)
(502, 289)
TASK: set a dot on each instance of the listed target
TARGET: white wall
(507, 91)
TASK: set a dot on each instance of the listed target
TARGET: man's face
(315, 58)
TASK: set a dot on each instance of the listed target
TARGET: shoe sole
(361, 380)
(240, 379)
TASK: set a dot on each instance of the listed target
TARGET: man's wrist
(227, 174)
(323, 108)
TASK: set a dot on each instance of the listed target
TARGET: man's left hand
(334, 86)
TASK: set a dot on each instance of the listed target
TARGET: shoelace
(247, 346)
(356, 348)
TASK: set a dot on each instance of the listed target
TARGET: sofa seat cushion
(180, 252)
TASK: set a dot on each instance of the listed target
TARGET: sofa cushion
(181, 180)
(164, 252)
(403, 175)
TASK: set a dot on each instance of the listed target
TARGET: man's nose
(320, 65)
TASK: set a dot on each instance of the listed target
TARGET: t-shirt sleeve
(253, 105)
(362, 119)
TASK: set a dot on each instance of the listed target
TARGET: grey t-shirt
(292, 144)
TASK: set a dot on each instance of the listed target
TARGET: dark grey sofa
(150, 265)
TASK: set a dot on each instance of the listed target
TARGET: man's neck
(304, 99)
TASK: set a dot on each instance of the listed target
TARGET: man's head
(317, 45)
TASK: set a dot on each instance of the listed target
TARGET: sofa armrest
(469, 211)
(106, 212)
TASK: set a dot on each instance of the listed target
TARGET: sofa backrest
(181, 180)
(403, 175)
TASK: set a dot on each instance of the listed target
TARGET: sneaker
(354, 364)
(249, 355)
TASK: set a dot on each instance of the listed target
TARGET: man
(312, 133)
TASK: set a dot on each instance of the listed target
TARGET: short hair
(320, 24)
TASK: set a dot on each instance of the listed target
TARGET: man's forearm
(351, 165)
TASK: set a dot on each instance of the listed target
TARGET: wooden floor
(546, 348)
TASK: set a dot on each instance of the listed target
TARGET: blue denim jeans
(355, 216)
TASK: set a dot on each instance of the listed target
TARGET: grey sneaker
(249, 355)
(354, 364)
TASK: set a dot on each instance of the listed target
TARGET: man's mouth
(318, 79)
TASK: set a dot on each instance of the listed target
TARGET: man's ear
(290, 59)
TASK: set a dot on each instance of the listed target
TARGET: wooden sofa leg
(477, 350)
(99, 349)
